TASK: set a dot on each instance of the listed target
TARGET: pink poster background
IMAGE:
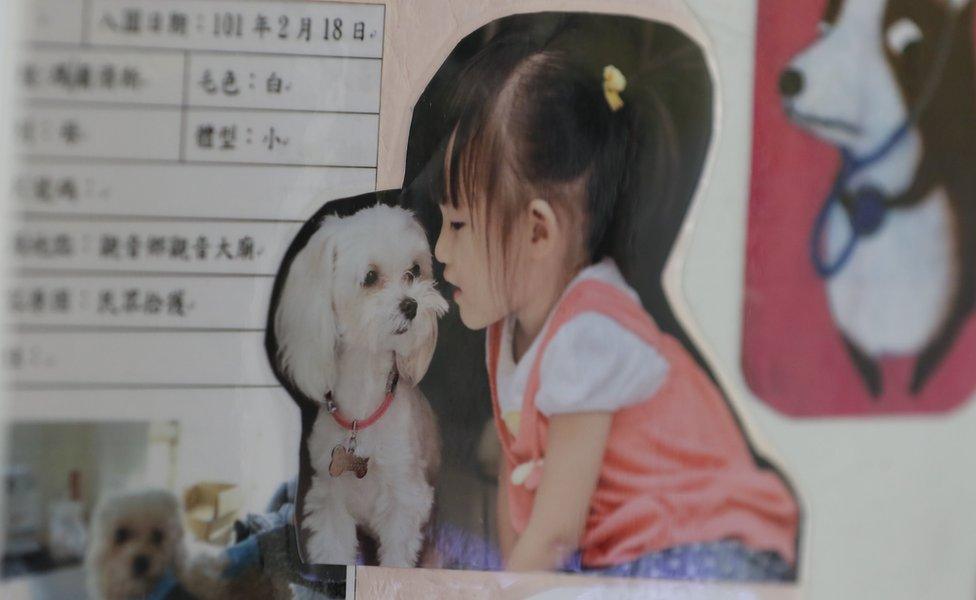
(793, 356)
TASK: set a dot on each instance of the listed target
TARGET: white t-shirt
(591, 364)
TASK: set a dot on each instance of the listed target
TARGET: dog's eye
(371, 278)
(413, 273)
(157, 536)
(457, 225)
(902, 34)
(122, 535)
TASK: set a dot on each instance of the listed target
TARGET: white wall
(888, 502)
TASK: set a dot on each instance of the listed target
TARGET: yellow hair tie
(614, 82)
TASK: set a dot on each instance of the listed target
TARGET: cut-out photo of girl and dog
(551, 163)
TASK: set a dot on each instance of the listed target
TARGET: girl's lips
(454, 286)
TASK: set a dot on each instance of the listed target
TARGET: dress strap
(494, 336)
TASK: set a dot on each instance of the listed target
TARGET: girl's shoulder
(602, 289)
(593, 361)
(606, 272)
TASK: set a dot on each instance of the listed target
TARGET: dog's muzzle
(408, 308)
(140, 565)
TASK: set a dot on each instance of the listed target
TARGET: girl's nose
(440, 251)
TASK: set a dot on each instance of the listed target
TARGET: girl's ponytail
(633, 171)
(610, 210)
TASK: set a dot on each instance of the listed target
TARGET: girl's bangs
(471, 164)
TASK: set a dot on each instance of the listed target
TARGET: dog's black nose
(140, 564)
(408, 306)
(790, 83)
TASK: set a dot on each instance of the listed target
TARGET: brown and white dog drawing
(891, 83)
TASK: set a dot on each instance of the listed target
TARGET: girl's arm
(506, 533)
(574, 455)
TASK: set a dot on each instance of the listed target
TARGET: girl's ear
(544, 228)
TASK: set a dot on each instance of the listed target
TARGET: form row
(311, 28)
(201, 79)
(119, 302)
(203, 135)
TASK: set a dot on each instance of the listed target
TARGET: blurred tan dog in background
(137, 550)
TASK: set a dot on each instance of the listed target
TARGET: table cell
(295, 83)
(54, 20)
(131, 77)
(155, 303)
(199, 406)
(100, 133)
(307, 28)
(152, 247)
(210, 191)
(343, 140)
(56, 359)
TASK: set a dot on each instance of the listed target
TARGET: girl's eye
(457, 225)
(122, 535)
(157, 536)
(371, 278)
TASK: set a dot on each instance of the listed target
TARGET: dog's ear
(305, 320)
(413, 366)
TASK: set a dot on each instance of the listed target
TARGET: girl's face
(462, 246)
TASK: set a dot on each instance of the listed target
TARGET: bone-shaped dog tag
(343, 460)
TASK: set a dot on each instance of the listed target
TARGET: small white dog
(356, 326)
(137, 546)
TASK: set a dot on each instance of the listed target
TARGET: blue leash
(867, 211)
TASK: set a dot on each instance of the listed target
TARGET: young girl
(620, 454)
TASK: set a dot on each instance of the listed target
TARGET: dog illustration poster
(554, 415)
(860, 275)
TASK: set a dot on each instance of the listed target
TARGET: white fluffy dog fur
(342, 323)
(137, 538)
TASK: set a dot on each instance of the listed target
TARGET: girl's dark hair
(534, 122)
